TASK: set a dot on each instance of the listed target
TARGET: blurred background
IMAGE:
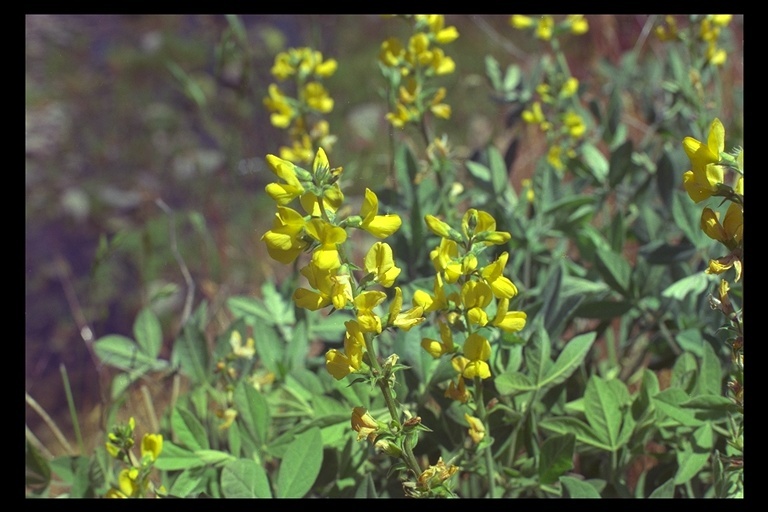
(137, 126)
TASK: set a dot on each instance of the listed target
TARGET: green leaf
(583, 432)
(669, 402)
(710, 380)
(537, 356)
(191, 350)
(717, 403)
(575, 488)
(665, 490)
(244, 478)
(300, 465)
(190, 482)
(695, 283)
(556, 457)
(253, 412)
(513, 383)
(596, 162)
(615, 270)
(241, 306)
(123, 353)
(603, 309)
(569, 359)
(38, 471)
(499, 172)
(493, 71)
(148, 333)
(297, 348)
(479, 172)
(174, 457)
(665, 179)
(214, 457)
(621, 163)
(687, 216)
(366, 489)
(188, 430)
(603, 404)
(689, 464)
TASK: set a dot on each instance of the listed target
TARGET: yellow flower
(521, 22)
(501, 286)
(444, 254)
(380, 226)
(575, 124)
(536, 116)
(477, 350)
(316, 97)
(341, 289)
(418, 50)
(554, 157)
(508, 321)
(441, 110)
(284, 241)
(439, 227)
(337, 364)
(402, 115)
(283, 193)
(458, 391)
(715, 55)
(442, 64)
(438, 348)
(364, 424)
(151, 446)
(475, 297)
(246, 351)
(481, 226)
(403, 320)
(476, 428)
(441, 33)
(730, 232)
(430, 303)
(365, 302)
(354, 343)
(283, 68)
(282, 111)
(545, 27)
(435, 475)
(720, 265)
(570, 87)
(578, 24)
(126, 481)
(326, 256)
(392, 52)
(380, 262)
(229, 415)
(320, 280)
(705, 174)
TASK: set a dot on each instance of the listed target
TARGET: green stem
(72, 408)
(385, 391)
(482, 414)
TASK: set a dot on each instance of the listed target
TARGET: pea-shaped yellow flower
(477, 350)
(364, 424)
(326, 256)
(475, 297)
(701, 181)
(380, 226)
(284, 241)
(438, 348)
(476, 428)
(151, 446)
(283, 193)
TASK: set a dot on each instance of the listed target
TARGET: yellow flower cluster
(705, 179)
(306, 68)
(133, 481)
(456, 264)
(328, 273)
(544, 27)
(707, 30)
(413, 63)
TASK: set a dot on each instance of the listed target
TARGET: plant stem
(483, 416)
(51, 424)
(72, 408)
